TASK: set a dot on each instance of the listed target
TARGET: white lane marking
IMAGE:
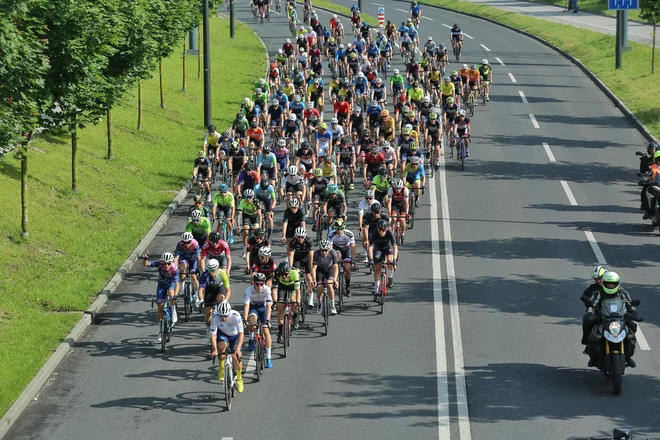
(417, 50)
(377, 4)
(534, 123)
(500, 61)
(548, 151)
(251, 365)
(446, 25)
(594, 246)
(401, 10)
(513, 78)
(522, 96)
(276, 12)
(569, 193)
(641, 339)
(426, 18)
(440, 342)
(469, 36)
(396, 44)
(227, 438)
(485, 48)
(457, 339)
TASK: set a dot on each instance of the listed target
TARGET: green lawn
(634, 84)
(77, 241)
(595, 6)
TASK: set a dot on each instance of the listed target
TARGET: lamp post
(207, 66)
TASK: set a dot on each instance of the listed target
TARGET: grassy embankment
(77, 241)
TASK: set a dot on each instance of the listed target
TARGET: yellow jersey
(414, 134)
(435, 76)
(416, 95)
(288, 89)
(328, 171)
(447, 89)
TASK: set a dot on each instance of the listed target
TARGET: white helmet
(300, 232)
(281, 143)
(484, 61)
(280, 51)
(427, 99)
(294, 202)
(265, 251)
(409, 126)
(196, 215)
(360, 75)
(465, 66)
(293, 170)
(386, 144)
(224, 308)
(396, 71)
(248, 193)
(167, 258)
(212, 265)
(288, 41)
(187, 237)
(292, 116)
(334, 16)
(379, 80)
(430, 38)
(461, 112)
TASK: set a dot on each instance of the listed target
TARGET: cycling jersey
(203, 228)
(248, 208)
(300, 249)
(413, 173)
(461, 125)
(319, 185)
(435, 76)
(447, 89)
(166, 275)
(203, 164)
(383, 242)
(213, 251)
(266, 161)
(212, 139)
(258, 298)
(328, 170)
(208, 282)
(293, 280)
(267, 268)
(325, 262)
(397, 80)
(291, 180)
(264, 194)
(381, 183)
(388, 153)
(342, 241)
(187, 251)
(416, 94)
(399, 196)
(231, 327)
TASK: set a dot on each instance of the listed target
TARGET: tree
(650, 11)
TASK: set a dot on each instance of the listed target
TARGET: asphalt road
(521, 257)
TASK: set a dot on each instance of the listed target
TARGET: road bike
(411, 208)
(259, 350)
(188, 297)
(462, 151)
(457, 51)
(166, 323)
(472, 101)
(286, 328)
(325, 307)
(229, 384)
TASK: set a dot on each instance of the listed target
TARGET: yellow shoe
(221, 372)
(239, 385)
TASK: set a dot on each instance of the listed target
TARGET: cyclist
(343, 243)
(214, 288)
(357, 122)
(410, 151)
(293, 218)
(342, 109)
(255, 243)
(286, 282)
(247, 179)
(199, 226)
(462, 130)
(432, 134)
(265, 265)
(434, 79)
(415, 177)
(324, 271)
(380, 184)
(293, 182)
(202, 174)
(238, 160)
(373, 160)
(449, 112)
(456, 36)
(267, 165)
(337, 132)
(415, 94)
(396, 85)
(329, 169)
(265, 194)
(198, 204)
(323, 140)
(293, 125)
(474, 80)
(275, 117)
(441, 56)
(415, 13)
(187, 258)
(334, 199)
(457, 80)
(447, 90)
(256, 137)
(257, 304)
(382, 250)
(317, 184)
(486, 76)
(300, 256)
(168, 282)
(398, 197)
(217, 249)
(250, 212)
(406, 44)
(211, 138)
(282, 155)
(227, 333)
(346, 159)
(224, 209)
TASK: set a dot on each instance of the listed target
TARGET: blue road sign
(381, 10)
(622, 4)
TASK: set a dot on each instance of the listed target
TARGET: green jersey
(204, 227)
(381, 183)
(340, 196)
(227, 200)
(240, 124)
(397, 79)
(293, 280)
(248, 208)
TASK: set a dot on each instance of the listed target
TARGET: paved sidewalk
(640, 33)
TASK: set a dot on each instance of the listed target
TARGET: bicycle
(457, 51)
(259, 350)
(165, 324)
(188, 297)
(471, 103)
(321, 225)
(482, 92)
(462, 151)
(286, 328)
(302, 309)
(411, 209)
(325, 307)
(382, 289)
(229, 384)
(292, 29)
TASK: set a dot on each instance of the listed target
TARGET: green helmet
(332, 189)
(611, 283)
(656, 155)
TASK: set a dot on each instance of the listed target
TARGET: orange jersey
(256, 134)
(473, 75)
(333, 24)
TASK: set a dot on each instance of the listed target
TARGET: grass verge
(593, 6)
(633, 84)
(77, 241)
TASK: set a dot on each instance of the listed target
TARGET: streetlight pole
(207, 66)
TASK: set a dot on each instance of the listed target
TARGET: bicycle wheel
(305, 298)
(462, 155)
(257, 357)
(285, 333)
(432, 161)
(326, 313)
(483, 96)
(471, 104)
(288, 328)
(383, 291)
(162, 329)
(411, 211)
(340, 291)
(227, 384)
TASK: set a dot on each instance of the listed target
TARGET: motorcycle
(610, 339)
(650, 191)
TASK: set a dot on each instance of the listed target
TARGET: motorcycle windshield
(613, 307)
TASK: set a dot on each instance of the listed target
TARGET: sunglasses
(249, 197)
(369, 198)
(300, 237)
(258, 284)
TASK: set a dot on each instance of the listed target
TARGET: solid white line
(426, 18)
(569, 193)
(641, 339)
(401, 10)
(500, 61)
(548, 151)
(446, 25)
(534, 123)
(457, 339)
(522, 96)
(594, 246)
(276, 12)
(469, 36)
(485, 48)
(513, 78)
(442, 372)
(377, 4)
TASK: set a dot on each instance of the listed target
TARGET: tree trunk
(24, 190)
(184, 64)
(653, 49)
(139, 125)
(74, 157)
(162, 91)
(199, 54)
(108, 119)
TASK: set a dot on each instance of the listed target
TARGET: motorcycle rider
(593, 288)
(610, 288)
(645, 164)
(654, 188)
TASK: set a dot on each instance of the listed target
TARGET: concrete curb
(89, 315)
(617, 102)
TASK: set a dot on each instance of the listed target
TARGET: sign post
(381, 16)
(621, 7)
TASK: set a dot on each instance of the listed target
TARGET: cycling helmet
(322, 126)
(454, 73)
(280, 51)
(598, 273)
(212, 128)
(484, 62)
(374, 103)
(413, 146)
(334, 121)
(427, 99)
(473, 67)
(196, 215)
(167, 258)
(396, 71)
(447, 79)
(461, 112)
(284, 267)
(201, 154)
(264, 183)
(267, 150)
(223, 187)
(375, 207)
(226, 134)
(324, 245)
(339, 224)
(465, 66)
(366, 132)
(212, 265)
(450, 100)
(259, 277)
(405, 131)
(264, 251)
(214, 237)
(261, 232)
(373, 150)
(224, 308)
(414, 160)
(292, 170)
(397, 184)
(281, 143)
(235, 145)
(275, 102)
(383, 224)
(253, 124)
(294, 202)
(382, 172)
(433, 115)
(379, 80)
(249, 166)
(656, 156)
(248, 193)
(187, 237)
(300, 232)
(652, 145)
(304, 145)
(318, 172)
(385, 113)
(334, 16)
(611, 283)
(327, 158)
(332, 189)
(356, 110)
(369, 193)
(429, 38)
(360, 75)
(385, 144)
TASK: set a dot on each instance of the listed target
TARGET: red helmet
(402, 98)
(273, 66)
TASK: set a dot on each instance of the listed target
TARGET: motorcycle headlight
(614, 328)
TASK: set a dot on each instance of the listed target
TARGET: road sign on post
(381, 16)
(618, 5)
(621, 7)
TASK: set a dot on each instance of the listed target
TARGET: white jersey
(365, 66)
(342, 241)
(364, 205)
(337, 132)
(388, 153)
(258, 299)
(231, 327)
(291, 180)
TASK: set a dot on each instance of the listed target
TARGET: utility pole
(207, 66)
(231, 18)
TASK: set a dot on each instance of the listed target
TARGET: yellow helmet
(317, 172)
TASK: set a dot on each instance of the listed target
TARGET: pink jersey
(210, 250)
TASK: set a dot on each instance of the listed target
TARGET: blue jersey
(189, 252)
(414, 174)
(266, 161)
(264, 194)
(373, 111)
(166, 275)
(373, 50)
(415, 10)
(341, 54)
(283, 99)
(403, 29)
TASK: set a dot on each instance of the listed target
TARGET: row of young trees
(67, 63)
